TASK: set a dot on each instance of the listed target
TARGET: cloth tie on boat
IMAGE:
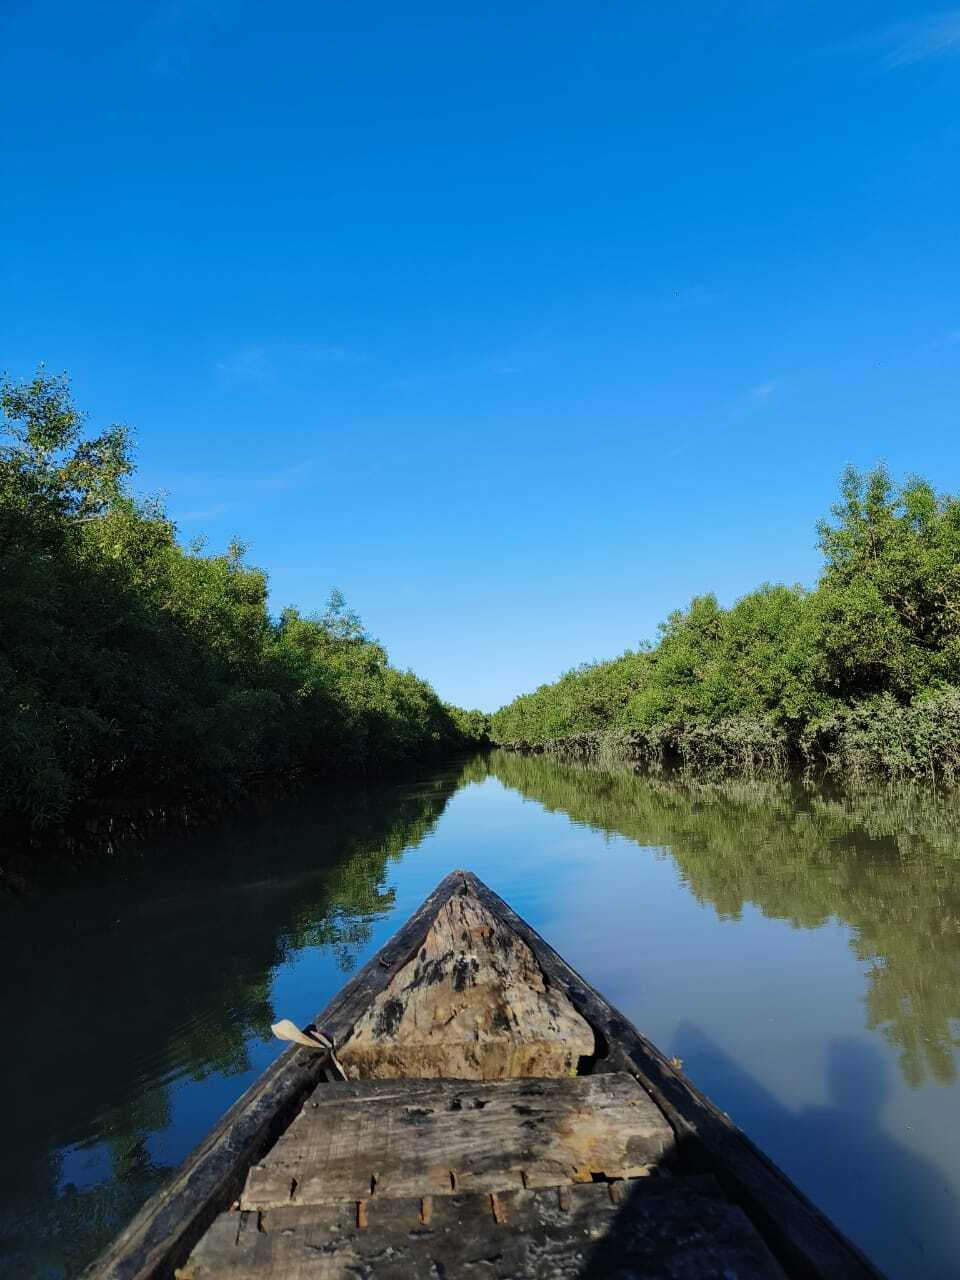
(309, 1039)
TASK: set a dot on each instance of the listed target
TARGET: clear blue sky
(518, 322)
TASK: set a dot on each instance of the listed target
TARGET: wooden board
(470, 1004)
(433, 1138)
(670, 1229)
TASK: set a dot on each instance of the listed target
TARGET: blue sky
(519, 323)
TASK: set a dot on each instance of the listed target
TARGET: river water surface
(799, 952)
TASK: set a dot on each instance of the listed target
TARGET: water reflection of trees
(887, 864)
(117, 990)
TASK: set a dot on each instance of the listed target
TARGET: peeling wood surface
(472, 1004)
(674, 1229)
(388, 1139)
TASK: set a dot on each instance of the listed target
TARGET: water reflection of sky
(770, 1018)
(84, 1166)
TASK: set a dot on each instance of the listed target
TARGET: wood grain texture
(386, 1139)
(472, 1004)
(680, 1229)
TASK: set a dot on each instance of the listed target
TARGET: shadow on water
(904, 1207)
(828, 1147)
(160, 972)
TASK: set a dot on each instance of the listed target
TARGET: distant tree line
(860, 674)
(130, 665)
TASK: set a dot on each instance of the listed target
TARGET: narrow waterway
(800, 953)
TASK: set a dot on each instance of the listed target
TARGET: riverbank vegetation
(135, 671)
(860, 675)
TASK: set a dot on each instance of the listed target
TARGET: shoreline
(870, 742)
(105, 831)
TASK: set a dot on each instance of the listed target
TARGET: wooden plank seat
(434, 1137)
(658, 1229)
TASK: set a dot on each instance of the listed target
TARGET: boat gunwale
(161, 1235)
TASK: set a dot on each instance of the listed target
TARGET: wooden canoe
(486, 1113)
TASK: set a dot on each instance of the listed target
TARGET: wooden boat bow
(499, 1118)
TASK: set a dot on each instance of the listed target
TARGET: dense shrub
(734, 746)
(882, 737)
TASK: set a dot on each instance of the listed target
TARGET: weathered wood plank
(351, 1140)
(472, 1005)
(678, 1229)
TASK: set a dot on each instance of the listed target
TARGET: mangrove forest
(136, 673)
(858, 676)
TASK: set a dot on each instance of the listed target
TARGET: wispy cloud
(324, 353)
(934, 35)
(762, 392)
(248, 364)
(262, 361)
(248, 488)
(691, 297)
(949, 339)
(288, 477)
(507, 362)
(207, 513)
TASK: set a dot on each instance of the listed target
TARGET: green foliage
(49, 467)
(593, 696)
(881, 737)
(473, 725)
(888, 617)
(795, 671)
(131, 666)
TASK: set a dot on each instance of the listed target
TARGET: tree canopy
(133, 666)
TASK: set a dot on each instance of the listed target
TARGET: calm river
(799, 952)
